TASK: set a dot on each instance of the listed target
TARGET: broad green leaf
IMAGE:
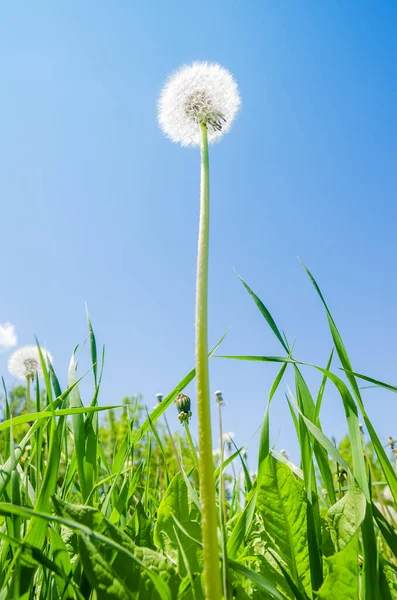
(141, 570)
(102, 576)
(281, 500)
(178, 504)
(342, 579)
(345, 517)
(139, 528)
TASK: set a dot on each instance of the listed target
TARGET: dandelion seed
(24, 363)
(8, 338)
(200, 93)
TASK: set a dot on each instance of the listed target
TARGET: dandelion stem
(212, 579)
(191, 444)
(178, 460)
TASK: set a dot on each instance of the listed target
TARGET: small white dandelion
(200, 93)
(228, 437)
(24, 363)
(8, 338)
(219, 397)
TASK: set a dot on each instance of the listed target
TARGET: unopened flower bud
(159, 398)
(219, 397)
(183, 405)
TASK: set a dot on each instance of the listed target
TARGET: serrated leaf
(99, 572)
(145, 573)
(345, 517)
(281, 501)
(342, 578)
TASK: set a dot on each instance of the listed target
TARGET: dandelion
(198, 105)
(219, 397)
(201, 93)
(25, 362)
(228, 437)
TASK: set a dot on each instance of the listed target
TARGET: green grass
(94, 503)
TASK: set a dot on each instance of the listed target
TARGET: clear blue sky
(97, 206)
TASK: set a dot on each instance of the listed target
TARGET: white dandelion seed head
(198, 93)
(25, 362)
(228, 437)
(8, 338)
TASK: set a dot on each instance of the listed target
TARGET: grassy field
(108, 506)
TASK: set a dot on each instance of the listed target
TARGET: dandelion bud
(183, 405)
(219, 397)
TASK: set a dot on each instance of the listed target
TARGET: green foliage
(103, 502)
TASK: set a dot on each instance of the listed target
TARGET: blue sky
(97, 206)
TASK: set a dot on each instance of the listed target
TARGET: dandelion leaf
(121, 568)
(342, 578)
(178, 503)
(345, 517)
(281, 501)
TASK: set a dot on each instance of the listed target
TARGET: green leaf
(78, 431)
(345, 517)
(242, 525)
(281, 501)
(258, 579)
(62, 560)
(178, 504)
(342, 578)
(141, 570)
(265, 313)
(101, 575)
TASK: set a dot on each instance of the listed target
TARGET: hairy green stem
(212, 578)
(191, 444)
